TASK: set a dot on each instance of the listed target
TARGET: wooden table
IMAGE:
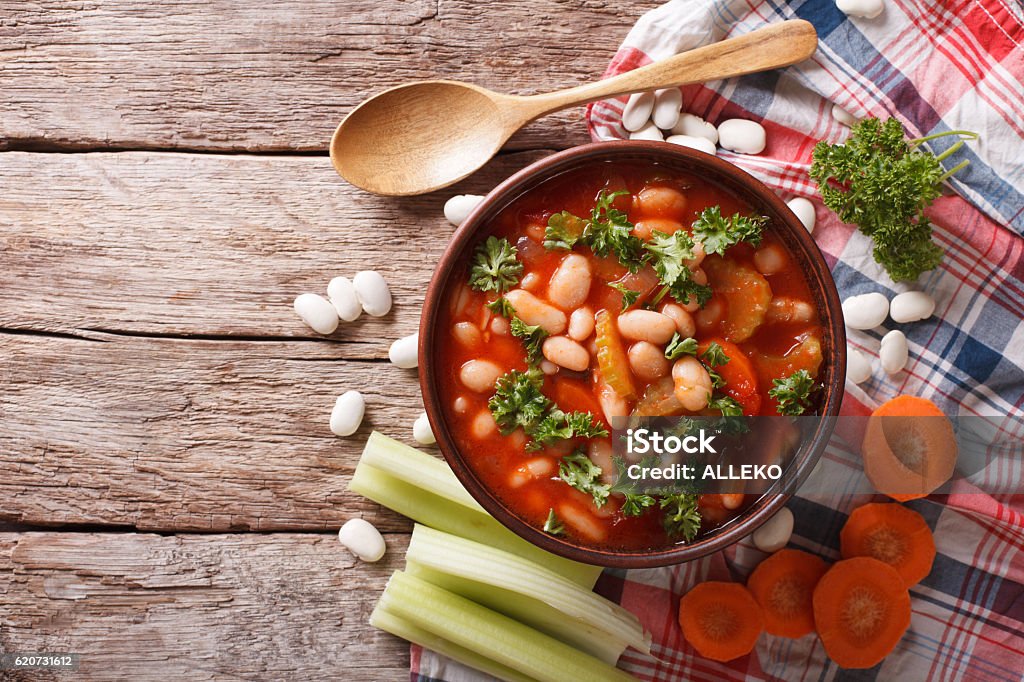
(169, 489)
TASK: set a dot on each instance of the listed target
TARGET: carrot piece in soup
(746, 293)
(611, 356)
(783, 584)
(861, 610)
(721, 620)
(909, 448)
(891, 533)
(739, 375)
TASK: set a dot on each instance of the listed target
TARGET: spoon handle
(771, 47)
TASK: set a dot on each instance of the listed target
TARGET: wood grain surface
(152, 373)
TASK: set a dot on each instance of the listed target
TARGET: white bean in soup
(534, 311)
(565, 352)
(646, 325)
(648, 361)
(570, 284)
(581, 324)
(692, 383)
(480, 375)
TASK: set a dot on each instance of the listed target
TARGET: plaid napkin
(936, 68)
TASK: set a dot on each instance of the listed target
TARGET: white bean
(362, 539)
(692, 383)
(460, 405)
(404, 352)
(372, 290)
(695, 126)
(787, 309)
(647, 361)
(548, 367)
(467, 334)
(710, 315)
(570, 283)
(667, 103)
(866, 9)
(565, 352)
(742, 136)
(531, 281)
(483, 425)
(699, 276)
(770, 259)
(421, 431)
(458, 208)
(804, 211)
(774, 533)
(683, 319)
(317, 312)
(858, 369)
(348, 413)
(701, 144)
(600, 453)
(732, 501)
(865, 311)
(500, 326)
(342, 294)
(532, 310)
(911, 306)
(648, 132)
(646, 325)
(581, 324)
(894, 352)
(637, 110)
(612, 404)
(843, 116)
(479, 375)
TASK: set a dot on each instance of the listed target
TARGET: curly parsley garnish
(502, 307)
(629, 296)
(563, 231)
(519, 402)
(714, 355)
(717, 233)
(637, 503)
(793, 393)
(581, 473)
(533, 336)
(727, 405)
(495, 266)
(552, 525)
(607, 231)
(678, 347)
(668, 254)
(682, 517)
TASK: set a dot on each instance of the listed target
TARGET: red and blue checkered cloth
(936, 66)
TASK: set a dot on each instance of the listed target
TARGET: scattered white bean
(648, 361)
(532, 310)
(637, 111)
(774, 533)
(739, 135)
(866, 311)
(699, 143)
(911, 306)
(666, 107)
(404, 352)
(317, 312)
(867, 9)
(342, 294)
(581, 324)
(479, 375)
(695, 126)
(894, 352)
(570, 283)
(858, 369)
(362, 539)
(646, 325)
(565, 352)
(804, 210)
(348, 413)
(843, 116)
(421, 431)
(372, 290)
(648, 132)
(458, 208)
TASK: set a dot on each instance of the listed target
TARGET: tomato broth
(594, 355)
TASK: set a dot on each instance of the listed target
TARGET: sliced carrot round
(738, 374)
(861, 610)
(909, 448)
(891, 533)
(721, 620)
(783, 584)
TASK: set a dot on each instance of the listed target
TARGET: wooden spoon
(419, 137)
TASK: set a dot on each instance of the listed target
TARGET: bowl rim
(735, 180)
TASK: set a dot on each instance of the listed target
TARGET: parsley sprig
(580, 472)
(793, 393)
(519, 402)
(678, 347)
(495, 266)
(552, 525)
(717, 233)
(668, 254)
(682, 517)
(629, 296)
(533, 336)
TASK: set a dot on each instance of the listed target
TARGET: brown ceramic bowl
(730, 178)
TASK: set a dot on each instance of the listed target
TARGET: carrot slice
(861, 610)
(909, 448)
(893, 534)
(746, 293)
(739, 375)
(783, 585)
(611, 356)
(721, 620)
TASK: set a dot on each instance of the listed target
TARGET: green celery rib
(400, 627)
(474, 561)
(438, 512)
(490, 634)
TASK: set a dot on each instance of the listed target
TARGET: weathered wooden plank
(187, 607)
(168, 434)
(213, 74)
(167, 243)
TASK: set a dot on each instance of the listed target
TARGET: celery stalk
(416, 467)
(400, 627)
(534, 587)
(438, 512)
(490, 634)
